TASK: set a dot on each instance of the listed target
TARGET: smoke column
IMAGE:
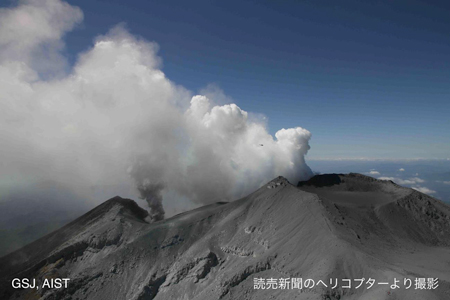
(150, 189)
(113, 118)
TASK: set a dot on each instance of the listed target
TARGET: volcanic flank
(331, 227)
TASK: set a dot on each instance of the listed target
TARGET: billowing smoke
(149, 187)
(114, 118)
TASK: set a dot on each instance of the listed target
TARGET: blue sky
(367, 79)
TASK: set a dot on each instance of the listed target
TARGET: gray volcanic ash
(331, 227)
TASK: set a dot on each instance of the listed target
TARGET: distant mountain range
(335, 229)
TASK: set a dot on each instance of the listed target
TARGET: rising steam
(115, 116)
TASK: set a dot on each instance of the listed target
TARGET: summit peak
(278, 181)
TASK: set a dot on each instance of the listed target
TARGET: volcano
(336, 236)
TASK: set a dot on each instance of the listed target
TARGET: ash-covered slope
(331, 227)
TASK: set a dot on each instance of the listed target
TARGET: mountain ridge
(318, 229)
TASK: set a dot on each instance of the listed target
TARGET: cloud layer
(409, 181)
(424, 190)
(115, 117)
(413, 182)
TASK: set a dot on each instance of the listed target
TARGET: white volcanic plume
(115, 111)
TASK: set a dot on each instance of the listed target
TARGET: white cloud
(417, 180)
(424, 190)
(401, 170)
(447, 182)
(32, 32)
(373, 172)
(116, 109)
(410, 181)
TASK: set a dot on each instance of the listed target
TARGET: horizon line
(373, 159)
